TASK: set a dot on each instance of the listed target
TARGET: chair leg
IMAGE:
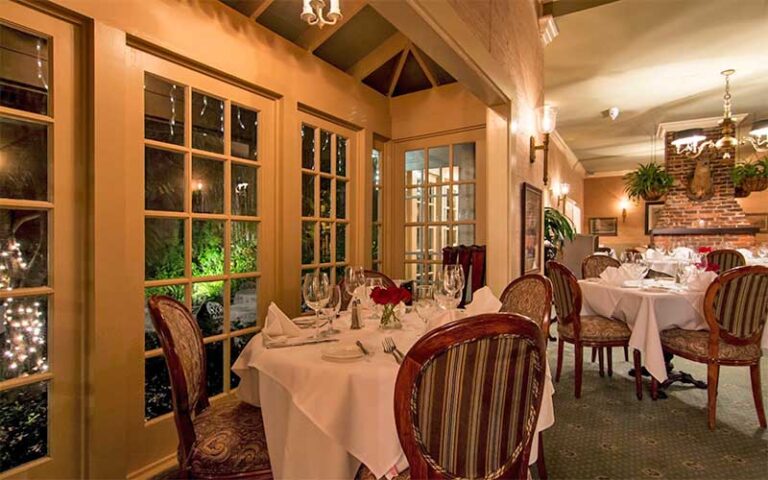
(638, 374)
(594, 354)
(579, 367)
(654, 389)
(626, 354)
(560, 345)
(540, 465)
(600, 360)
(754, 373)
(609, 352)
(713, 375)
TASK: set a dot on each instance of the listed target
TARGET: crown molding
(573, 160)
(708, 122)
(614, 173)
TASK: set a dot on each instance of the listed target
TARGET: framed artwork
(759, 220)
(605, 226)
(532, 229)
(652, 210)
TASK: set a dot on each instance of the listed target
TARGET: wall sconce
(560, 191)
(546, 119)
(624, 205)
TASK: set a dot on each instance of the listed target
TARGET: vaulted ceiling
(363, 44)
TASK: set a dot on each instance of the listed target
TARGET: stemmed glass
(424, 302)
(453, 279)
(354, 278)
(370, 284)
(331, 309)
(317, 291)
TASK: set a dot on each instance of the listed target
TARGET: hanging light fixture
(312, 13)
(758, 136)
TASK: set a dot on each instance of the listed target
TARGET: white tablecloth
(647, 313)
(322, 419)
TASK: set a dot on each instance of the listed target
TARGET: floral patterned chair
(346, 297)
(225, 440)
(726, 259)
(591, 267)
(585, 330)
(735, 307)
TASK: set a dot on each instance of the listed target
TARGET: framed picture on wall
(759, 220)
(652, 210)
(605, 226)
(531, 232)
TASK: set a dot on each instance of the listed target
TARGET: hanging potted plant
(649, 182)
(557, 229)
(751, 176)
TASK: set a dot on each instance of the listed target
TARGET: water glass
(424, 302)
(354, 278)
(331, 309)
(316, 290)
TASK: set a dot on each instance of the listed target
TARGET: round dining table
(322, 418)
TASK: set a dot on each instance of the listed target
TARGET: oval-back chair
(529, 295)
(593, 265)
(726, 259)
(346, 297)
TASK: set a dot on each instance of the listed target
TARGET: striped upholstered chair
(726, 259)
(593, 265)
(486, 372)
(735, 307)
(585, 330)
(226, 440)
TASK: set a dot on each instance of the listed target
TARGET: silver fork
(389, 347)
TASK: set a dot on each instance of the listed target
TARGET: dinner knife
(362, 348)
(298, 344)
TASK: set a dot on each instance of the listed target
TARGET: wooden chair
(726, 259)
(585, 330)
(472, 261)
(735, 307)
(493, 366)
(346, 297)
(591, 267)
(225, 440)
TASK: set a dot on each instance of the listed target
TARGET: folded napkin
(617, 276)
(278, 325)
(483, 301)
(651, 254)
(682, 253)
(699, 281)
(746, 252)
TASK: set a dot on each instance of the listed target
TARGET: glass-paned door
(377, 207)
(40, 223)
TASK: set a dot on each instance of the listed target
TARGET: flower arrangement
(705, 250)
(389, 298)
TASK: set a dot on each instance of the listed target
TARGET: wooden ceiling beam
(398, 71)
(378, 56)
(314, 37)
(423, 65)
(259, 8)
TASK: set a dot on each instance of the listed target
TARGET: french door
(42, 215)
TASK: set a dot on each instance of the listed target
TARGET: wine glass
(370, 284)
(424, 302)
(331, 309)
(317, 291)
(354, 278)
(453, 279)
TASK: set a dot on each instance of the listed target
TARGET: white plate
(304, 321)
(342, 353)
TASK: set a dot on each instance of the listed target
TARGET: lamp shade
(546, 118)
(691, 136)
(759, 128)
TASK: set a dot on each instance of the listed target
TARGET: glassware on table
(317, 291)
(453, 279)
(424, 302)
(354, 278)
(762, 250)
(331, 309)
(370, 284)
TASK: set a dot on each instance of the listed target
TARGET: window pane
(163, 180)
(157, 388)
(341, 156)
(325, 197)
(308, 195)
(375, 241)
(414, 242)
(464, 161)
(465, 235)
(325, 151)
(236, 347)
(150, 336)
(438, 238)
(414, 167)
(208, 306)
(325, 242)
(207, 185)
(464, 202)
(438, 208)
(307, 147)
(163, 110)
(244, 190)
(24, 336)
(341, 242)
(245, 241)
(23, 160)
(376, 204)
(24, 243)
(243, 302)
(308, 242)
(214, 367)
(439, 162)
(341, 199)
(24, 71)
(339, 274)
(245, 133)
(207, 123)
(207, 247)
(163, 248)
(23, 425)
(413, 205)
(376, 160)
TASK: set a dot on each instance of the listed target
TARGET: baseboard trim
(159, 466)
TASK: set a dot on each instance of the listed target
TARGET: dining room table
(324, 417)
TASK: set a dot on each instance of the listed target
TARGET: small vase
(389, 320)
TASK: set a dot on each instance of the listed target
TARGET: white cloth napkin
(747, 253)
(699, 281)
(617, 276)
(483, 301)
(682, 253)
(650, 254)
(278, 325)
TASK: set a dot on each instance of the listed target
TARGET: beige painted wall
(756, 203)
(602, 198)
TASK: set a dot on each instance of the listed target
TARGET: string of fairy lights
(24, 349)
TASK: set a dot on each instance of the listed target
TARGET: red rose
(713, 267)
(705, 249)
(390, 296)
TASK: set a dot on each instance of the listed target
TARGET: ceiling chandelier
(692, 142)
(758, 136)
(312, 13)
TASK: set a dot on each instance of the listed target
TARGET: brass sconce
(546, 118)
(561, 191)
(624, 205)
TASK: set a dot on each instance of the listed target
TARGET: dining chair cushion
(230, 441)
(594, 265)
(365, 474)
(696, 344)
(531, 296)
(596, 328)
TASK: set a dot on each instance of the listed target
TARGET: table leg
(609, 352)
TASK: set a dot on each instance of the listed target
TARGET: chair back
(346, 297)
(468, 396)
(531, 296)
(182, 343)
(472, 261)
(593, 265)
(726, 259)
(567, 295)
(736, 305)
